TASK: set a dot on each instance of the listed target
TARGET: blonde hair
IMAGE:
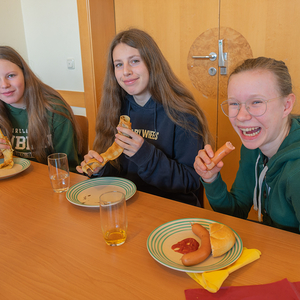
(39, 98)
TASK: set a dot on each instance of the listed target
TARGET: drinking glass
(59, 172)
(113, 218)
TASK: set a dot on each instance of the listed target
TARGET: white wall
(52, 36)
(46, 33)
(11, 24)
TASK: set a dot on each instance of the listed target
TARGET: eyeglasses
(255, 107)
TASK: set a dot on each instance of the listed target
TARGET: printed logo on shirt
(147, 134)
(20, 143)
(23, 154)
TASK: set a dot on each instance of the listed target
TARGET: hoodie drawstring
(257, 202)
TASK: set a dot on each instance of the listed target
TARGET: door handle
(222, 59)
(212, 56)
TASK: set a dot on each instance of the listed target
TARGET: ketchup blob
(186, 246)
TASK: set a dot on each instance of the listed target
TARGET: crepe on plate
(7, 153)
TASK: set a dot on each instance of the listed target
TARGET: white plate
(20, 165)
(160, 241)
(86, 193)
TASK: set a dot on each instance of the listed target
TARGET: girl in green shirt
(36, 119)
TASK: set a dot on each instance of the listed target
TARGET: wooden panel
(271, 30)
(175, 26)
(73, 98)
(97, 27)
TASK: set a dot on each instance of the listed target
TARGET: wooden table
(52, 249)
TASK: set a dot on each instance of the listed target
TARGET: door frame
(96, 28)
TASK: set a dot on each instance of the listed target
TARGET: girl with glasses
(259, 106)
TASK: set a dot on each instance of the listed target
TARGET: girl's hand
(204, 158)
(130, 144)
(3, 145)
(87, 157)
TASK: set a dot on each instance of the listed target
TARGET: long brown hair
(38, 98)
(163, 86)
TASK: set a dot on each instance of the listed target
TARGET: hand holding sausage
(220, 154)
(200, 165)
(208, 164)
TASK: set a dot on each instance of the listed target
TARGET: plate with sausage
(161, 242)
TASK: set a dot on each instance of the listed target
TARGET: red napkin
(278, 290)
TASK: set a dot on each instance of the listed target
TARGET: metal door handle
(212, 56)
(222, 59)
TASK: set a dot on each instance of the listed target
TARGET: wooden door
(270, 27)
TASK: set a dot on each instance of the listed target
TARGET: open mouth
(252, 131)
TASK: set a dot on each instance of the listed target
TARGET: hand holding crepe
(111, 153)
(8, 154)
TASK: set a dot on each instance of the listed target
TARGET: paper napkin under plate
(212, 281)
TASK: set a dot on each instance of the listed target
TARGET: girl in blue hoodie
(168, 127)
(259, 105)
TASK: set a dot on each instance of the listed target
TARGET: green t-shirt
(61, 138)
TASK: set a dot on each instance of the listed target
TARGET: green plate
(86, 193)
(20, 165)
(160, 241)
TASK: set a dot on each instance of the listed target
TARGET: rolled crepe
(7, 153)
(113, 152)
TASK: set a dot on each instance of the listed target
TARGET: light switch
(71, 63)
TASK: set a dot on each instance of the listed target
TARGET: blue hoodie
(163, 165)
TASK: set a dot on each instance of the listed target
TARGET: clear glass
(113, 218)
(255, 107)
(58, 168)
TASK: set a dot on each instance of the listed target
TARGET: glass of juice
(113, 217)
(58, 168)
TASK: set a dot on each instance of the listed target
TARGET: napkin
(212, 281)
(276, 291)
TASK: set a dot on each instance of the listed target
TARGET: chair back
(84, 126)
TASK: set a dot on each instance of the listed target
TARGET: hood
(288, 150)
(148, 112)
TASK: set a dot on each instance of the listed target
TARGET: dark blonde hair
(38, 98)
(277, 67)
(163, 86)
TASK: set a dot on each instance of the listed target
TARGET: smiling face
(269, 130)
(131, 72)
(12, 84)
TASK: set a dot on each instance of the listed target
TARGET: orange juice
(115, 237)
